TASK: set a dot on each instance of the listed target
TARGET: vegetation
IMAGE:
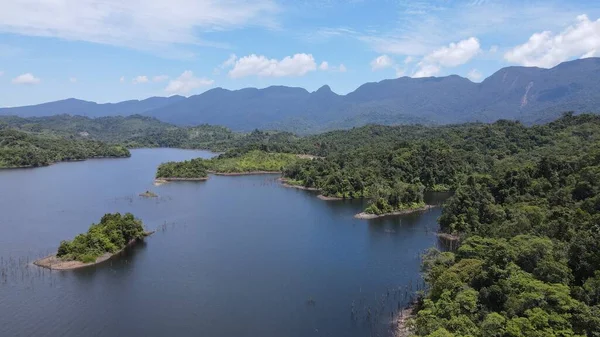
(251, 161)
(20, 149)
(230, 162)
(149, 194)
(112, 234)
(132, 131)
(195, 168)
(529, 264)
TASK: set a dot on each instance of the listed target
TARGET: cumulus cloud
(325, 66)
(73, 79)
(140, 79)
(455, 54)
(187, 82)
(546, 49)
(474, 75)
(381, 62)
(144, 24)
(160, 78)
(427, 70)
(452, 55)
(27, 78)
(296, 65)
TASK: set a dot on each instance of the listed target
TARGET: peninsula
(231, 163)
(101, 242)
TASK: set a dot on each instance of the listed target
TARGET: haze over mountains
(528, 94)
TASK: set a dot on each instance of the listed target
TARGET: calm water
(234, 256)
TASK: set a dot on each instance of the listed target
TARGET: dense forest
(529, 264)
(112, 234)
(230, 162)
(20, 149)
(194, 168)
(133, 131)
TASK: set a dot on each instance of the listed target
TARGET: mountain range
(528, 94)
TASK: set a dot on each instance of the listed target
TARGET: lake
(232, 257)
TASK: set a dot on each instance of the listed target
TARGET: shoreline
(326, 198)
(54, 263)
(447, 236)
(60, 161)
(247, 173)
(369, 216)
(284, 183)
(160, 181)
(401, 321)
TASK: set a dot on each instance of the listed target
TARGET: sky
(115, 50)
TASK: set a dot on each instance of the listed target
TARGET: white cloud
(324, 66)
(546, 49)
(474, 75)
(591, 53)
(297, 65)
(381, 62)
(408, 60)
(427, 70)
(399, 71)
(453, 55)
(187, 82)
(160, 78)
(230, 62)
(27, 78)
(422, 26)
(140, 79)
(493, 49)
(122, 79)
(138, 24)
(73, 79)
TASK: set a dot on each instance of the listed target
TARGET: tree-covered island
(104, 239)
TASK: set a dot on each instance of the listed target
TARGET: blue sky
(114, 50)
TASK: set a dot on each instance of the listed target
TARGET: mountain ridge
(529, 94)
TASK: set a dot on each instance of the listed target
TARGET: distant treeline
(20, 149)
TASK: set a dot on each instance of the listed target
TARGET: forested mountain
(74, 106)
(532, 95)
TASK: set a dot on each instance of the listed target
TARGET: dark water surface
(233, 256)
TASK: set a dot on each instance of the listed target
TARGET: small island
(101, 242)
(149, 194)
(401, 199)
(231, 163)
